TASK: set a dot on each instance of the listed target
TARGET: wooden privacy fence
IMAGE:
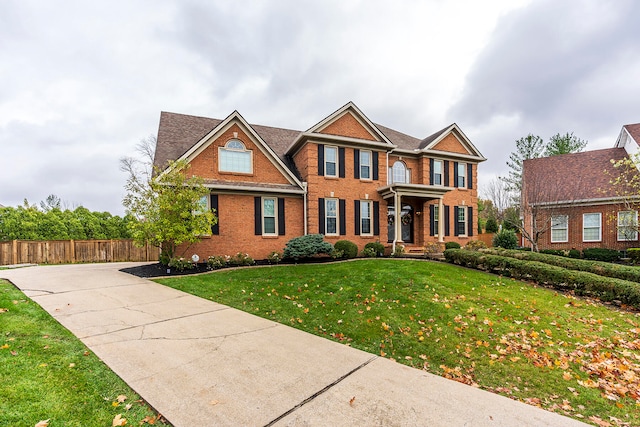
(70, 251)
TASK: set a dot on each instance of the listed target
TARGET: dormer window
(234, 157)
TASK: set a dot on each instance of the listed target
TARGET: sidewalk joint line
(318, 393)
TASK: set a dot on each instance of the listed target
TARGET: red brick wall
(609, 230)
(347, 125)
(236, 223)
(451, 144)
(206, 163)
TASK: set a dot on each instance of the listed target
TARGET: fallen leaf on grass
(119, 421)
(3, 310)
(43, 423)
(352, 400)
(121, 398)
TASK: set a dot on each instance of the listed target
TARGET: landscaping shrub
(241, 259)
(452, 245)
(601, 254)
(307, 246)
(377, 247)
(505, 239)
(574, 253)
(491, 226)
(634, 254)
(369, 252)
(556, 252)
(217, 262)
(274, 257)
(399, 251)
(181, 264)
(432, 248)
(475, 245)
(349, 249)
(582, 283)
(597, 267)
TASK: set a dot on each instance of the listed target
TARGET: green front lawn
(48, 374)
(566, 355)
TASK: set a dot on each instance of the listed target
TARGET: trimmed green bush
(307, 246)
(505, 239)
(452, 245)
(582, 283)
(597, 267)
(475, 245)
(601, 254)
(377, 247)
(349, 249)
(491, 226)
(634, 254)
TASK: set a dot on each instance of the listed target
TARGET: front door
(406, 223)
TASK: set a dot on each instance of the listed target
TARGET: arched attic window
(234, 157)
(399, 173)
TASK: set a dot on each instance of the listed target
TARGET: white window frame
(462, 211)
(275, 216)
(363, 218)
(334, 149)
(436, 220)
(438, 176)
(559, 225)
(592, 227)
(234, 147)
(365, 166)
(392, 170)
(622, 226)
(462, 177)
(327, 217)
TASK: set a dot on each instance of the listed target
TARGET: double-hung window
(591, 227)
(234, 157)
(559, 228)
(462, 175)
(269, 215)
(331, 216)
(627, 225)
(365, 217)
(437, 172)
(330, 161)
(461, 221)
(365, 164)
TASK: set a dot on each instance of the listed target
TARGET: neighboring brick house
(343, 178)
(570, 199)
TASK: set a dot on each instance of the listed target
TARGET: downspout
(305, 187)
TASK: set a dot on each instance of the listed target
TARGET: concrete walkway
(200, 363)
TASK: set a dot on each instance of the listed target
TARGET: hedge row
(581, 282)
(597, 267)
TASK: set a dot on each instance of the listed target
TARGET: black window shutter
(320, 159)
(321, 216)
(447, 226)
(432, 222)
(343, 222)
(470, 175)
(446, 173)
(455, 176)
(375, 165)
(356, 164)
(376, 218)
(281, 221)
(341, 161)
(455, 220)
(257, 203)
(470, 221)
(431, 162)
(215, 229)
(356, 206)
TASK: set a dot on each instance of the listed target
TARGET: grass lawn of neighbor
(568, 355)
(49, 378)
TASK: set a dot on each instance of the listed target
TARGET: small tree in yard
(168, 206)
(625, 180)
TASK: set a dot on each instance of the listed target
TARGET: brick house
(345, 178)
(570, 199)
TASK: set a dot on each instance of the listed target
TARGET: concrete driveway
(200, 363)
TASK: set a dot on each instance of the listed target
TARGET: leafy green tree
(168, 209)
(564, 144)
(492, 225)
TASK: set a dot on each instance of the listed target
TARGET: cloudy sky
(81, 83)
